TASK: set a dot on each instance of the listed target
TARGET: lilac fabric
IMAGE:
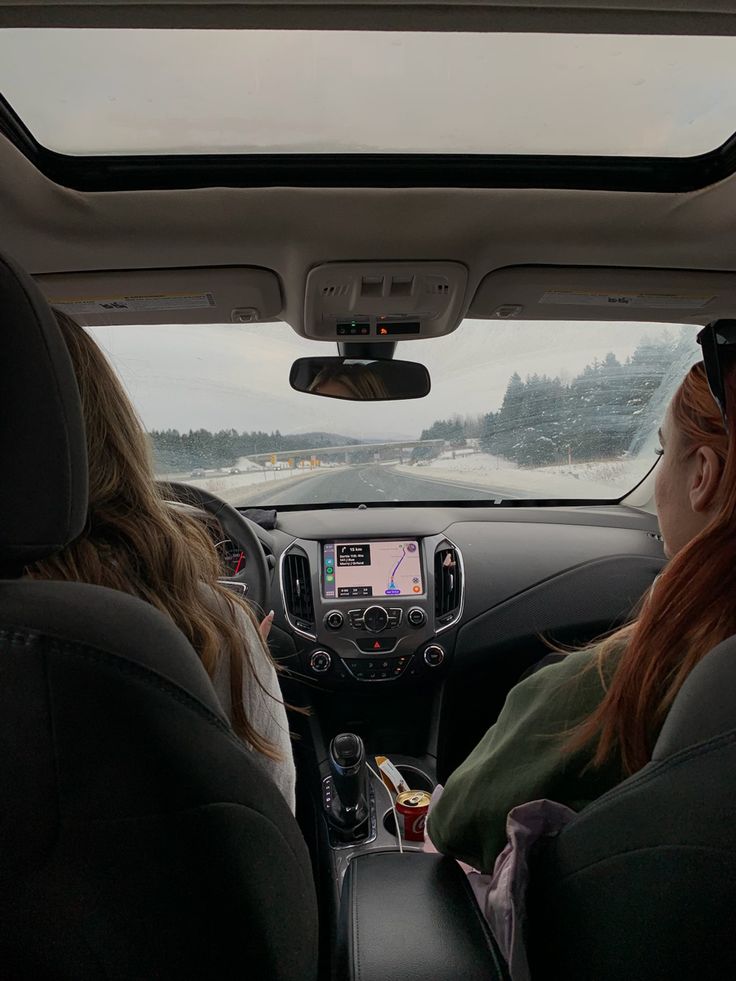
(502, 895)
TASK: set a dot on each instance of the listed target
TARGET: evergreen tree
(606, 411)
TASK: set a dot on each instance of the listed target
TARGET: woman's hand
(265, 625)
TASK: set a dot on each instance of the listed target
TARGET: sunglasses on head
(713, 339)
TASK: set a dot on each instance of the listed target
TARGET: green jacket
(521, 758)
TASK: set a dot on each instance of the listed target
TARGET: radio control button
(375, 619)
(356, 619)
(320, 661)
(394, 616)
(416, 616)
(334, 620)
(433, 655)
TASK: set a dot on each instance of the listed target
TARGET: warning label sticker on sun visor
(135, 304)
(652, 301)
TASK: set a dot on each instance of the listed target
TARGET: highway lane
(368, 484)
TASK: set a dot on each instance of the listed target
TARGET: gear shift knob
(348, 769)
(347, 750)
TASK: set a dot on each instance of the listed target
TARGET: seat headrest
(43, 455)
(705, 706)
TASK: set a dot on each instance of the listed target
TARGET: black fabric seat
(138, 837)
(642, 885)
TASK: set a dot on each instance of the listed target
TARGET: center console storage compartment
(413, 917)
(391, 722)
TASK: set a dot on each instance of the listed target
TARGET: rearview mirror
(360, 380)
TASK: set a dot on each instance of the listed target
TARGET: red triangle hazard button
(377, 645)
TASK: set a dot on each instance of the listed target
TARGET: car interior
(400, 292)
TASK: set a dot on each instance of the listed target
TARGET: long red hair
(690, 610)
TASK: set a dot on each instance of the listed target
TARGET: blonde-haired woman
(137, 542)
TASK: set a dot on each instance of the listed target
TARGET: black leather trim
(413, 916)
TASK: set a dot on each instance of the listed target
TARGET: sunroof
(252, 92)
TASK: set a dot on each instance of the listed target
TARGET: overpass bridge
(377, 450)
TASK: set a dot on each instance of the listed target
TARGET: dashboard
(378, 606)
(382, 598)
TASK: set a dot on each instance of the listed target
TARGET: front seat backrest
(43, 487)
(641, 886)
(139, 838)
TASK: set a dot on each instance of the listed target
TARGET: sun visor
(596, 293)
(384, 301)
(219, 295)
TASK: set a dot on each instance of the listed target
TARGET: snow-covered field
(236, 489)
(244, 464)
(604, 479)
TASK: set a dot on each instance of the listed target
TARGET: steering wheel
(256, 575)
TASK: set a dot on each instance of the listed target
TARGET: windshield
(517, 411)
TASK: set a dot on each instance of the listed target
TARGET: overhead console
(599, 293)
(384, 301)
(374, 610)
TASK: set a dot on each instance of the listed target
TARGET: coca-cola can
(411, 813)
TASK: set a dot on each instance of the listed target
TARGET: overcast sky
(115, 91)
(235, 376)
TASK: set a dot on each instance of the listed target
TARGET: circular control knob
(320, 661)
(434, 655)
(416, 616)
(334, 620)
(375, 618)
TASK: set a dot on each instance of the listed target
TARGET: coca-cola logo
(418, 823)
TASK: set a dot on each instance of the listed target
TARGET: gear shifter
(348, 807)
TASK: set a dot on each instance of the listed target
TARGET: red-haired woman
(575, 729)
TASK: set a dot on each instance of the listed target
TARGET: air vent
(447, 584)
(336, 289)
(297, 586)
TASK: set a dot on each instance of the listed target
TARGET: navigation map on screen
(379, 568)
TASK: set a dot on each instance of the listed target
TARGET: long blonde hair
(136, 542)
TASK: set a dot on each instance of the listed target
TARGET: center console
(374, 623)
(402, 912)
(413, 916)
(373, 610)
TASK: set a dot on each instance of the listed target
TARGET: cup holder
(389, 823)
(417, 780)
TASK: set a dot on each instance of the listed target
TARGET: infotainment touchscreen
(375, 568)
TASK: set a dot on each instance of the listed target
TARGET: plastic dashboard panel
(505, 559)
(594, 595)
(527, 571)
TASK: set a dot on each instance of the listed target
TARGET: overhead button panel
(379, 301)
